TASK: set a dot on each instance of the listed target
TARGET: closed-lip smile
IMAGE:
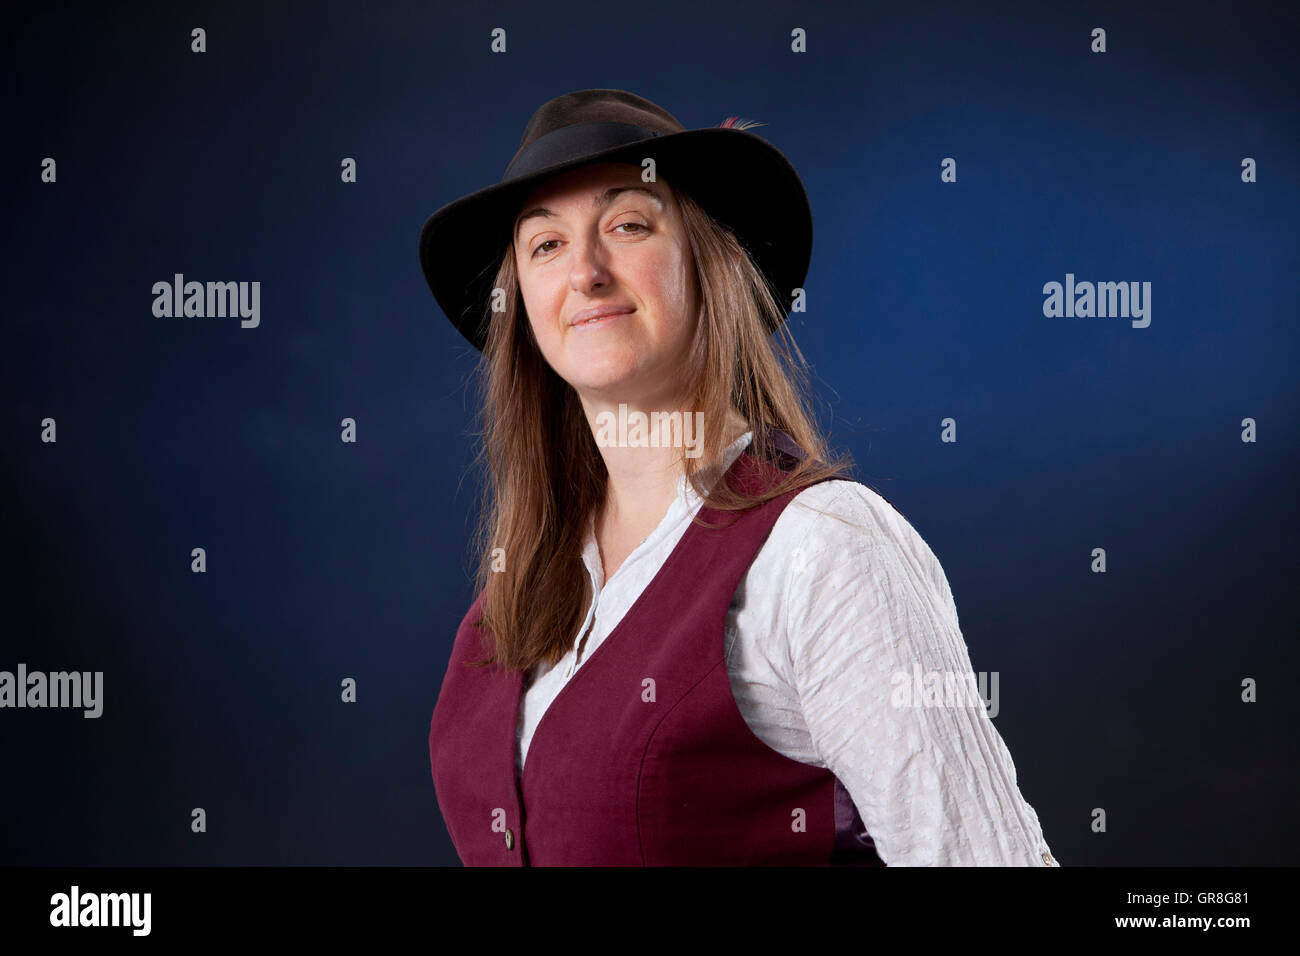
(600, 311)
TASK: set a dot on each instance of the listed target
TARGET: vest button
(510, 839)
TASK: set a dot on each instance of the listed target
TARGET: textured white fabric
(843, 596)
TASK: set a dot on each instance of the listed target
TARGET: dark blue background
(328, 560)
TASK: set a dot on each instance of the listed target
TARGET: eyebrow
(598, 201)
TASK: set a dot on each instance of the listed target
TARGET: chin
(602, 386)
(599, 368)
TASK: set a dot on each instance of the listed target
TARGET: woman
(644, 679)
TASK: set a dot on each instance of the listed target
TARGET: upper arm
(869, 613)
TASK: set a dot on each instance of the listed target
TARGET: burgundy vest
(643, 757)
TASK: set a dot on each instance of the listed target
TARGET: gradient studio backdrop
(327, 560)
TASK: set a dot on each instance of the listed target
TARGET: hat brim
(742, 180)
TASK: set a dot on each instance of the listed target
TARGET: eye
(637, 229)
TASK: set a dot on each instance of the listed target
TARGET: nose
(588, 269)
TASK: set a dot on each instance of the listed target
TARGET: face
(605, 240)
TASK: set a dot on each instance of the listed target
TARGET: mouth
(595, 318)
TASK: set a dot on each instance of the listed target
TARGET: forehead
(579, 185)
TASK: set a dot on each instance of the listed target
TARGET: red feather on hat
(735, 122)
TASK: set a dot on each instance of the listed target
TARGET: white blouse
(822, 628)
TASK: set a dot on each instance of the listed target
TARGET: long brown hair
(544, 472)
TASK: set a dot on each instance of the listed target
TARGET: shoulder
(849, 532)
(471, 640)
(842, 497)
(845, 509)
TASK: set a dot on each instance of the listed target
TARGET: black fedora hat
(740, 179)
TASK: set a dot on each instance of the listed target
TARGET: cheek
(675, 284)
(540, 304)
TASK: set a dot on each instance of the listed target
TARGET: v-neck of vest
(653, 585)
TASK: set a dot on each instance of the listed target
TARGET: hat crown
(596, 106)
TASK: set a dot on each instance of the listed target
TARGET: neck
(643, 480)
